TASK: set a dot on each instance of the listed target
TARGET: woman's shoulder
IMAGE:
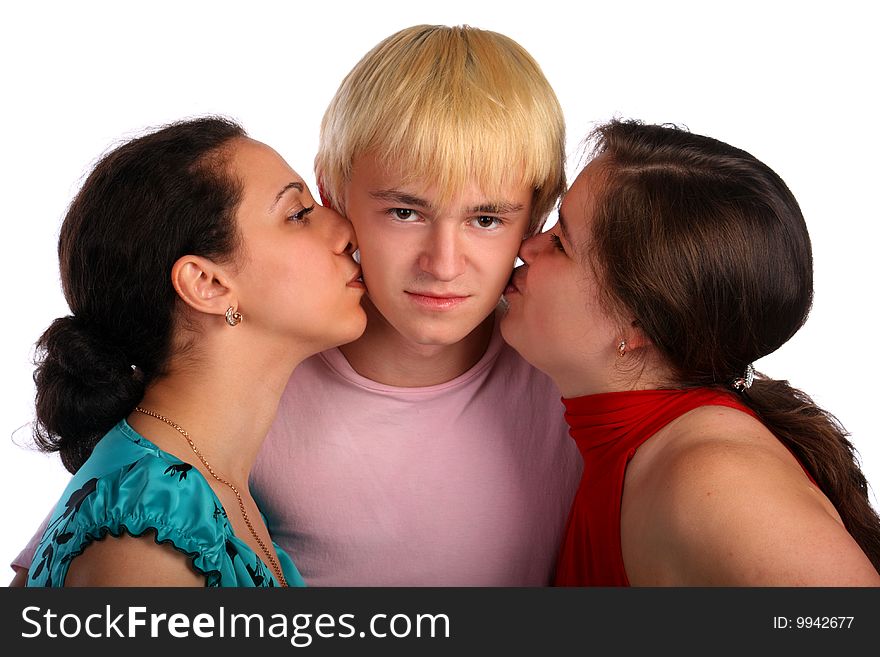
(730, 504)
(717, 448)
(156, 494)
(153, 484)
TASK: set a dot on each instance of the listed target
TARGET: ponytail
(820, 443)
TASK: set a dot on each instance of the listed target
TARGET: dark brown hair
(144, 205)
(706, 247)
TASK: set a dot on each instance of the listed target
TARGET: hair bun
(82, 355)
(85, 385)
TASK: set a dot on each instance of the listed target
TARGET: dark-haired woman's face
(554, 317)
(296, 278)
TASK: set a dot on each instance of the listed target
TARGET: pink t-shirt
(466, 483)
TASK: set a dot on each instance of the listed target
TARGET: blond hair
(454, 105)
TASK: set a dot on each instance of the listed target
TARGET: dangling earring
(621, 349)
(233, 317)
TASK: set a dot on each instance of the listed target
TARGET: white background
(793, 83)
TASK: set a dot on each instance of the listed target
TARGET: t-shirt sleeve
(26, 556)
(153, 494)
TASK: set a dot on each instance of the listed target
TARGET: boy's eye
(554, 239)
(487, 222)
(403, 214)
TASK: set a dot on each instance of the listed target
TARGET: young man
(428, 453)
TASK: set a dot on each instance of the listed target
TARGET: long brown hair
(707, 248)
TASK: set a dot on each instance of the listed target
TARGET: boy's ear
(202, 284)
(322, 194)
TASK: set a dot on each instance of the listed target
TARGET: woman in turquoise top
(199, 272)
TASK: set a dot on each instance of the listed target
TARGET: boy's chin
(439, 333)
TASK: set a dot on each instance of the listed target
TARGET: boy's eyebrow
(398, 196)
(291, 185)
(501, 207)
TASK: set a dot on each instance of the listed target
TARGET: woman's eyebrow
(291, 185)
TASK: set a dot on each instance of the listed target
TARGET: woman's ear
(202, 284)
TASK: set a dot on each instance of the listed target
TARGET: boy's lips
(437, 300)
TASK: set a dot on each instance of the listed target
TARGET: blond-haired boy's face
(434, 271)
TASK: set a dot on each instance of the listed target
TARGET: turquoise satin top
(129, 485)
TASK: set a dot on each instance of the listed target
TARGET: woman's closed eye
(302, 215)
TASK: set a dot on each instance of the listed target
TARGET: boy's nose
(442, 256)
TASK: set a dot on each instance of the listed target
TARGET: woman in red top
(677, 262)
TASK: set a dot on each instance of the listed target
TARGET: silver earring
(233, 317)
(621, 349)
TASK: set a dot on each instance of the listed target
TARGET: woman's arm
(130, 561)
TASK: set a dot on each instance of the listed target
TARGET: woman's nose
(342, 233)
(530, 247)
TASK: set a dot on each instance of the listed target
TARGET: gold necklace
(279, 574)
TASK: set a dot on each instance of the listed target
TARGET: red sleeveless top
(608, 429)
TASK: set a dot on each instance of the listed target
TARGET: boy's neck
(383, 355)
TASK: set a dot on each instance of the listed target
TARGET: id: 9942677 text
(813, 622)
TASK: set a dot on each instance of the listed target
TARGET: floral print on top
(128, 485)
